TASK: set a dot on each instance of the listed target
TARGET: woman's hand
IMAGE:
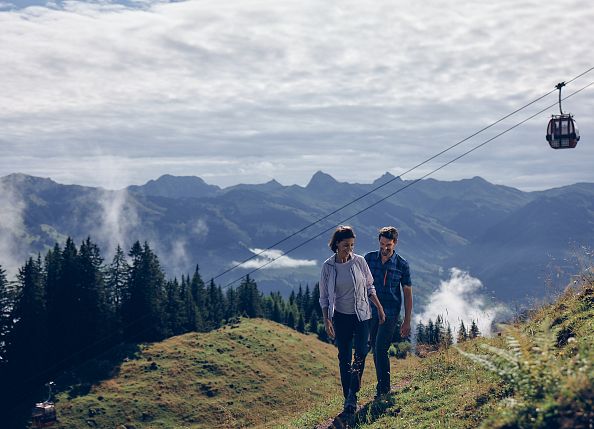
(381, 315)
(329, 328)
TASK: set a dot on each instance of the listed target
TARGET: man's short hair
(341, 233)
(388, 232)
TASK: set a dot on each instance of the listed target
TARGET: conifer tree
(448, 338)
(6, 319)
(430, 335)
(474, 330)
(214, 305)
(439, 331)
(231, 309)
(142, 309)
(198, 290)
(249, 298)
(277, 313)
(290, 320)
(421, 333)
(312, 325)
(462, 334)
(93, 317)
(300, 323)
(176, 318)
(116, 281)
(188, 306)
(29, 335)
(306, 307)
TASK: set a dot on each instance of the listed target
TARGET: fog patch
(117, 219)
(200, 228)
(462, 298)
(275, 259)
(12, 229)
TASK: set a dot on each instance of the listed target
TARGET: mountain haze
(511, 240)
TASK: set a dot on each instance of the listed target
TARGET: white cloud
(283, 82)
(461, 298)
(275, 259)
(12, 227)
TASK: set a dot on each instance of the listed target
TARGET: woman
(346, 287)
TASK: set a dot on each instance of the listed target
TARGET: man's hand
(329, 328)
(405, 328)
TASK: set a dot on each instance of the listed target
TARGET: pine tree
(474, 330)
(198, 290)
(142, 308)
(214, 306)
(421, 333)
(188, 306)
(176, 320)
(29, 335)
(290, 318)
(231, 309)
(306, 307)
(116, 281)
(249, 298)
(277, 314)
(313, 322)
(93, 317)
(6, 320)
(300, 323)
(448, 338)
(430, 335)
(439, 331)
(462, 334)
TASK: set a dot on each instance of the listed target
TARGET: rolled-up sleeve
(324, 301)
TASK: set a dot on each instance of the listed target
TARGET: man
(391, 274)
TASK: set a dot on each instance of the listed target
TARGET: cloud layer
(275, 260)
(249, 91)
(461, 299)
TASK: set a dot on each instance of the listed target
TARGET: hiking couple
(347, 285)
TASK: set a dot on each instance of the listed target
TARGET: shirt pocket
(394, 276)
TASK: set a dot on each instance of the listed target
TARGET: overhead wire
(132, 323)
(408, 185)
(371, 191)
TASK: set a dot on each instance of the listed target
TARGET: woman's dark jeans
(350, 331)
(381, 338)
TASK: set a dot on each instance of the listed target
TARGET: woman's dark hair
(342, 232)
(389, 232)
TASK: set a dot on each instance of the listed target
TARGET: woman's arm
(380, 309)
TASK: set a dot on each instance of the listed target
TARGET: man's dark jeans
(349, 330)
(381, 338)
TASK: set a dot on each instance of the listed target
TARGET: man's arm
(408, 304)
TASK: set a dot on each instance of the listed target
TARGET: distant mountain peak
(321, 180)
(386, 177)
(176, 186)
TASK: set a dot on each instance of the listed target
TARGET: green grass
(253, 374)
(261, 374)
(551, 386)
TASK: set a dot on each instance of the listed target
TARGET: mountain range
(517, 243)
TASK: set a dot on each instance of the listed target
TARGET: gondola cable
(315, 222)
(138, 320)
(408, 185)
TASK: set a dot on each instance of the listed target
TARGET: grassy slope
(256, 373)
(448, 390)
(261, 374)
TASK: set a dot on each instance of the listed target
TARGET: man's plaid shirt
(388, 279)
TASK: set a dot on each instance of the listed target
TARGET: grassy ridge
(541, 376)
(256, 373)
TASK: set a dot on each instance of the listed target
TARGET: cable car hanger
(562, 130)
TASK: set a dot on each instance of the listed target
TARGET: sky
(117, 93)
